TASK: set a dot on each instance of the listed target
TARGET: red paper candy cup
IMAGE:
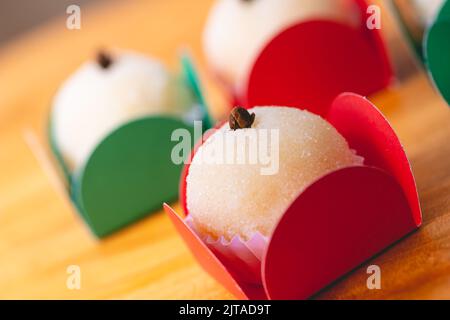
(338, 222)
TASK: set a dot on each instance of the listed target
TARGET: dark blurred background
(17, 16)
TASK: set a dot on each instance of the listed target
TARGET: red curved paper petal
(309, 64)
(368, 132)
(334, 225)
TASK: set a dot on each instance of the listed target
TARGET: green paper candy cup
(131, 173)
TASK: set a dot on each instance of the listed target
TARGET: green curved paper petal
(437, 56)
(444, 12)
(191, 76)
(129, 175)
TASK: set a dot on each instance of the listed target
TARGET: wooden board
(40, 236)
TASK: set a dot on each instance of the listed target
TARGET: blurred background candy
(111, 129)
(237, 30)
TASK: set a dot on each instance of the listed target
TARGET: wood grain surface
(40, 235)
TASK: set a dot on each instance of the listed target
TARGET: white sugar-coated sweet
(228, 199)
(237, 30)
(96, 100)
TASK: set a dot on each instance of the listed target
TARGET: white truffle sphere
(95, 100)
(231, 199)
(237, 30)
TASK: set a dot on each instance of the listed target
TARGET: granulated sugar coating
(226, 199)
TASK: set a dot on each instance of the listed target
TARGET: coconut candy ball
(228, 199)
(104, 94)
